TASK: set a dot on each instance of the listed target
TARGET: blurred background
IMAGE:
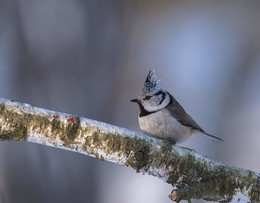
(91, 57)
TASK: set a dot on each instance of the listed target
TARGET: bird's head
(153, 97)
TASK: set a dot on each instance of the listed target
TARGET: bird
(161, 116)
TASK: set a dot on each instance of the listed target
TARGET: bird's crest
(151, 84)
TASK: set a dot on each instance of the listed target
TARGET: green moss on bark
(56, 124)
(20, 123)
(17, 130)
(136, 150)
(18, 133)
(72, 128)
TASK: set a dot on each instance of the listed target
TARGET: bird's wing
(179, 114)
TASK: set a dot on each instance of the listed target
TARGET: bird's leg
(172, 141)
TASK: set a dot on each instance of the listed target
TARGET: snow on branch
(191, 174)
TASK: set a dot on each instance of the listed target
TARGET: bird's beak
(134, 100)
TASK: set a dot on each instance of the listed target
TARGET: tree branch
(191, 174)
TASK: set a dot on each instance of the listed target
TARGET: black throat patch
(144, 112)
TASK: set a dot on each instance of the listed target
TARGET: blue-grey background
(91, 57)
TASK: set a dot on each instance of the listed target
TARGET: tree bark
(191, 174)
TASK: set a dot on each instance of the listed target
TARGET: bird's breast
(163, 125)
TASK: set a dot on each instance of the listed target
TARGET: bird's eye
(147, 97)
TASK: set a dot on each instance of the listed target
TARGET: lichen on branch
(191, 174)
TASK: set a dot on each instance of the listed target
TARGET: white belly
(162, 125)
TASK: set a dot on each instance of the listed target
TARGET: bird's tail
(215, 137)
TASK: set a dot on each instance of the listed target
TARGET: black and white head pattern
(153, 97)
